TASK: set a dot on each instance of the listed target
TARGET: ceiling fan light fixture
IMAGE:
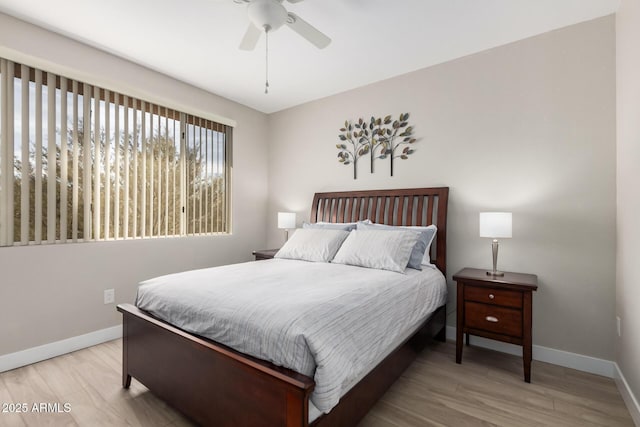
(267, 14)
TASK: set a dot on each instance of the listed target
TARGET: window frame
(113, 102)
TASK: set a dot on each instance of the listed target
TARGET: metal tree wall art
(399, 129)
(371, 134)
(378, 138)
(358, 147)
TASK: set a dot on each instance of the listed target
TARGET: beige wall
(628, 178)
(48, 293)
(529, 128)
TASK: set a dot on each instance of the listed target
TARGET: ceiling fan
(269, 15)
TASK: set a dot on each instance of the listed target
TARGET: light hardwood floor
(486, 389)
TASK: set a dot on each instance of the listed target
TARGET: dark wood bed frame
(215, 385)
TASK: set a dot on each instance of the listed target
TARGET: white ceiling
(196, 40)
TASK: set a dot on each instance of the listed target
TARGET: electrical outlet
(619, 325)
(109, 296)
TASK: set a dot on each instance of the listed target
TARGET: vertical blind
(82, 163)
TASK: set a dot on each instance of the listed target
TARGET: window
(82, 163)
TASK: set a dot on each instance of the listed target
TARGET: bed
(215, 385)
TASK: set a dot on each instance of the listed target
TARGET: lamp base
(494, 250)
(495, 273)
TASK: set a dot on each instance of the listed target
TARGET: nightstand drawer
(490, 318)
(493, 296)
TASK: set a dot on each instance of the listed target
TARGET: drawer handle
(492, 319)
(491, 296)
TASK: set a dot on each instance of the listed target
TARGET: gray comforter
(326, 321)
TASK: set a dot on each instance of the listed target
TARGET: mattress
(331, 322)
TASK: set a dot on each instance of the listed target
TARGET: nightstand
(495, 307)
(265, 254)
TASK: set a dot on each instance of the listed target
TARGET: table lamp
(286, 221)
(495, 225)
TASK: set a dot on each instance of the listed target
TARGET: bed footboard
(210, 383)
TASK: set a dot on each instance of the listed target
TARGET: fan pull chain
(266, 61)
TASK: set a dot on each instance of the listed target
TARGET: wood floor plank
(373, 420)
(465, 409)
(589, 414)
(25, 385)
(59, 377)
(98, 376)
(109, 354)
(532, 415)
(497, 390)
(395, 416)
(91, 410)
(487, 389)
(149, 407)
(9, 418)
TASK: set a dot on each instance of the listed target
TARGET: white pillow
(381, 249)
(428, 235)
(309, 244)
(420, 254)
(433, 230)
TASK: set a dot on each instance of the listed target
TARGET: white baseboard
(47, 351)
(576, 361)
(627, 395)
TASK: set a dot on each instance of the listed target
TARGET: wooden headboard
(412, 206)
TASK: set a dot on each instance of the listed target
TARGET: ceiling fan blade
(309, 32)
(251, 37)
(294, 1)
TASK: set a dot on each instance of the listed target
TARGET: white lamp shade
(495, 224)
(286, 220)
